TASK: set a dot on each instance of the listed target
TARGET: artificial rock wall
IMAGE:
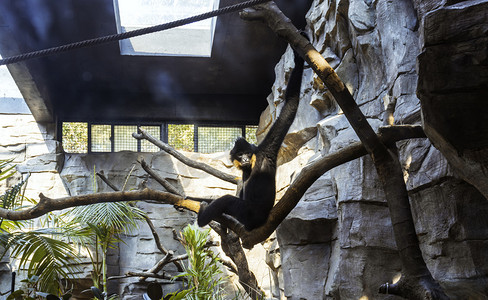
(338, 242)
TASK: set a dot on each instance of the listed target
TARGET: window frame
(163, 136)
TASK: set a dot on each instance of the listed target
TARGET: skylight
(190, 40)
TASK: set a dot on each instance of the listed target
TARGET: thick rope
(130, 34)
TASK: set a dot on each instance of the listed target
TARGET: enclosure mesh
(100, 138)
(181, 136)
(217, 139)
(251, 134)
(210, 139)
(123, 139)
(147, 146)
(75, 137)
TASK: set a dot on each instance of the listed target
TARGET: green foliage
(178, 295)
(8, 199)
(203, 274)
(45, 257)
(181, 136)
(75, 137)
(104, 222)
(29, 291)
(6, 170)
(41, 253)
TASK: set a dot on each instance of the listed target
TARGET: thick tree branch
(47, 204)
(232, 248)
(141, 134)
(309, 174)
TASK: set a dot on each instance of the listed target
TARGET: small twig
(128, 176)
(145, 274)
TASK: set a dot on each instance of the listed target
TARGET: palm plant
(41, 252)
(105, 222)
(48, 258)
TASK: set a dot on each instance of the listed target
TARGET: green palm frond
(6, 170)
(49, 258)
(119, 215)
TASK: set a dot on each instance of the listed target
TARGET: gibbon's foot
(201, 222)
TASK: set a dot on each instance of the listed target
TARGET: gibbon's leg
(227, 204)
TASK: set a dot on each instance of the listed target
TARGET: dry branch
(47, 204)
(145, 274)
(141, 134)
(309, 174)
(168, 186)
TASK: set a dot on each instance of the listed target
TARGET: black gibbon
(258, 166)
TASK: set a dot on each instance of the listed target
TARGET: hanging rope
(130, 34)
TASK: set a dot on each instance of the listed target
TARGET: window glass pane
(123, 138)
(75, 137)
(155, 131)
(194, 39)
(100, 138)
(251, 134)
(217, 139)
(180, 136)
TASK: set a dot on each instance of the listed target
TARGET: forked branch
(141, 134)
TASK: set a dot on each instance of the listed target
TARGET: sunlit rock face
(338, 242)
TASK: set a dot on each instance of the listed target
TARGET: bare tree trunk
(233, 249)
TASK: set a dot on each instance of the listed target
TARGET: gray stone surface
(374, 47)
(453, 76)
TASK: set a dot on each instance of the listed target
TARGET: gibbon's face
(242, 155)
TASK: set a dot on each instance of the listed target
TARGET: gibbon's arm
(278, 131)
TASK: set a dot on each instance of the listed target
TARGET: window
(80, 137)
(123, 139)
(215, 139)
(181, 136)
(101, 138)
(75, 137)
(194, 39)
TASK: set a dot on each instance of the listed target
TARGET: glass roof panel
(190, 40)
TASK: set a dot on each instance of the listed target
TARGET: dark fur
(258, 192)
